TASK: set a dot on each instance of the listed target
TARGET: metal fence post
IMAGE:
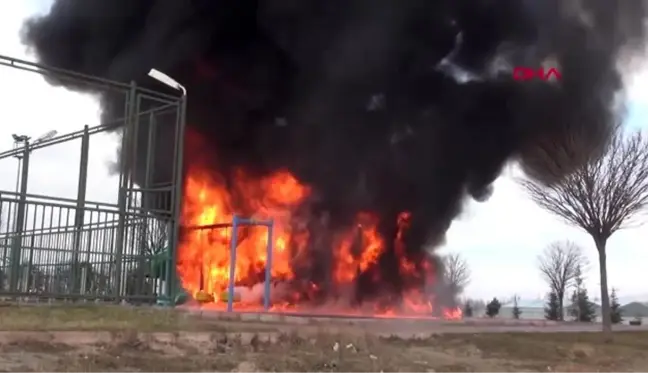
(232, 269)
(80, 208)
(123, 189)
(176, 200)
(268, 272)
(147, 250)
(16, 244)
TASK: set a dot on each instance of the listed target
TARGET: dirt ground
(245, 346)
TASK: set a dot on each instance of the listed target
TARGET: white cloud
(32, 107)
(638, 87)
(501, 238)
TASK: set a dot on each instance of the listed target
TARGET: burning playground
(299, 157)
(228, 240)
(288, 261)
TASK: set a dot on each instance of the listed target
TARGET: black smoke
(386, 105)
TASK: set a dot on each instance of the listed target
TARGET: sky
(500, 238)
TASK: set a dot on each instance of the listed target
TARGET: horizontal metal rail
(112, 125)
(71, 75)
(240, 222)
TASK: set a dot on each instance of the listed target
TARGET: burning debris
(359, 126)
(314, 266)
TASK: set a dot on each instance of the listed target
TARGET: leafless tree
(151, 261)
(559, 265)
(152, 230)
(456, 272)
(606, 194)
(156, 231)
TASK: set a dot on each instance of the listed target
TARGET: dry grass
(112, 318)
(91, 317)
(545, 351)
(309, 350)
(488, 352)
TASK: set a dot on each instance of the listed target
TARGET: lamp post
(169, 283)
(19, 142)
(22, 141)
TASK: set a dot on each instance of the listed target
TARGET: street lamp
(22, 141)
(19, 138)
(165, 79)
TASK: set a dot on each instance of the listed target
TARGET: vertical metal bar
(176, 199)
(146, 199)
(232, 269)
(134, 138)
(30, 265)
(146, 241)
(123, 190)
(88, 248)
(20, 222)
(18, 177)
(11, 217)
(80, 207)
(268, 272)
(150, 146)
(3, 242)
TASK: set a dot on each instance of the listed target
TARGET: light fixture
(165, 79)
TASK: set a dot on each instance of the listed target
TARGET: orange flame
(204, 252)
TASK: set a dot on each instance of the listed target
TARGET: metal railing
(61, 248)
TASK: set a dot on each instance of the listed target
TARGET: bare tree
(152, 230)
(516, 311)
(602, 196)
(559, 264)
(456, 272)
(157, 236)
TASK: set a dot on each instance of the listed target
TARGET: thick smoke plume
(381, 105)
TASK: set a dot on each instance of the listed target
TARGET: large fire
(204, 254)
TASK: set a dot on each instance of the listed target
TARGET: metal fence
(54, 248)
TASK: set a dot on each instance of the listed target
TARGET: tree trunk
(561, 305)
(605, 298)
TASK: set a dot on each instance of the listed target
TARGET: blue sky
(500, 238)
(637, 115)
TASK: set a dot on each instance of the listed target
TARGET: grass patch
(113, 318)
(529, 346)
(340, 352)
(537, 351)
(299, 348)
(91, 317)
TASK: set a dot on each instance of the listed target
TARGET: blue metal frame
(236, 223)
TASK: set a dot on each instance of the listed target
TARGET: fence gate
(62, 248)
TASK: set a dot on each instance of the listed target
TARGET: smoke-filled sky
(500, 238)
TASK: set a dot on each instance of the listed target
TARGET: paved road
(395, 328)
(416, 326)
(428, 327)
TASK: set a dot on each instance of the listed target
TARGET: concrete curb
(315, 319)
